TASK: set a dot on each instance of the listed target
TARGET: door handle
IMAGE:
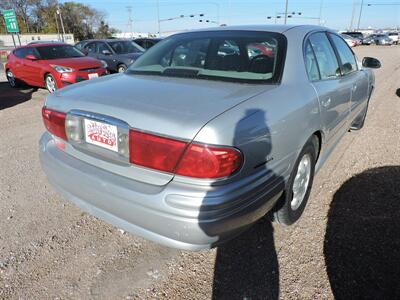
(326, 102)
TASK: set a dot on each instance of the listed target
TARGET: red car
(52, 65)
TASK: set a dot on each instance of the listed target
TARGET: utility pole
(352, 15)
(158, 18)
(320, 12)
(286, 10)
(359, 17)
(129, 8)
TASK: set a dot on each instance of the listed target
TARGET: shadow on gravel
(10, 97)
(247, 267)
(398, 92)
(362, 241)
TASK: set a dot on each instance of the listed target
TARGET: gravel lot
(346, 245)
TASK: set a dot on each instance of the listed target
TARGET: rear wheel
(121, 68)
(50, 83)
(294, 199)
(13, 82)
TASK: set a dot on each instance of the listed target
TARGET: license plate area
(101, 134)
(93, 75)
(98, 135)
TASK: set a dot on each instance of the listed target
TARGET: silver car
(207, 132)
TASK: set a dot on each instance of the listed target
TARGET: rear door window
(90, 48)
(21, 52)
(311, 63)
(101, 46)
(325, 55)
(347, 58)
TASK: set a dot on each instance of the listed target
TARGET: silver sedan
(207, 132)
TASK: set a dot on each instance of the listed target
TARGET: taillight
(54, 122)
(203, 161)
(193, 160)
(154, 151)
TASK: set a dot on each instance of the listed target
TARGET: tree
(40, 16)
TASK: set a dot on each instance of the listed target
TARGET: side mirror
(31, 57)
(106, 52)
(370, 62)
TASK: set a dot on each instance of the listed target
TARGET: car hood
(76, 62)
(175, 107)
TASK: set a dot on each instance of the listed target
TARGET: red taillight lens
(54, 122)
(169, 155)
(203, 161)
(154, 151)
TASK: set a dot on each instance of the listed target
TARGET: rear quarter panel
(270, 129)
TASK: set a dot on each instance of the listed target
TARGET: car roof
(43, 44)
(269, 28)
(104, 40)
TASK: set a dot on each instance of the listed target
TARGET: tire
(50, 83)
(121, 68)
(12, 81)
(289, 209)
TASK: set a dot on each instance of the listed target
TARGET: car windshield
(58, 51)
(124, 47)
(249, 56)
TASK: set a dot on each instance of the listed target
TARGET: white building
(134, 35)
(7, 41)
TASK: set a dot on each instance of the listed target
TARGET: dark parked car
(146, 43)
(354, 34)
(51, 65)
(378, 39)
(118, 53)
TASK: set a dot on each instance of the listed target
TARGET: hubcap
(121, 69)
(11, 78)
(301, 181)
(51, 84)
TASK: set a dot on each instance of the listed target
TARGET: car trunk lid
(172, 107)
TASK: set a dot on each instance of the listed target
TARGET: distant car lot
(119, 54)
(49, 249)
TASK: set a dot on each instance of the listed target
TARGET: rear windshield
(125, 47)
(58, 51)
(249, 56)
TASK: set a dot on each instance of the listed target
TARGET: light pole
(158, 17)
(286, 10)
(58, 29)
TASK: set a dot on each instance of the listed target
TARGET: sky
(334, 14)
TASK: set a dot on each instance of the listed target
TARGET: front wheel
(121, 68)
(294, 199)
(50, 83)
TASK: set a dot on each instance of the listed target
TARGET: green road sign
(11, 20)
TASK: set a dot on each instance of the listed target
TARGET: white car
(394, 36)
(349, 40)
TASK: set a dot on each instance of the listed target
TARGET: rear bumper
(177, 215)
